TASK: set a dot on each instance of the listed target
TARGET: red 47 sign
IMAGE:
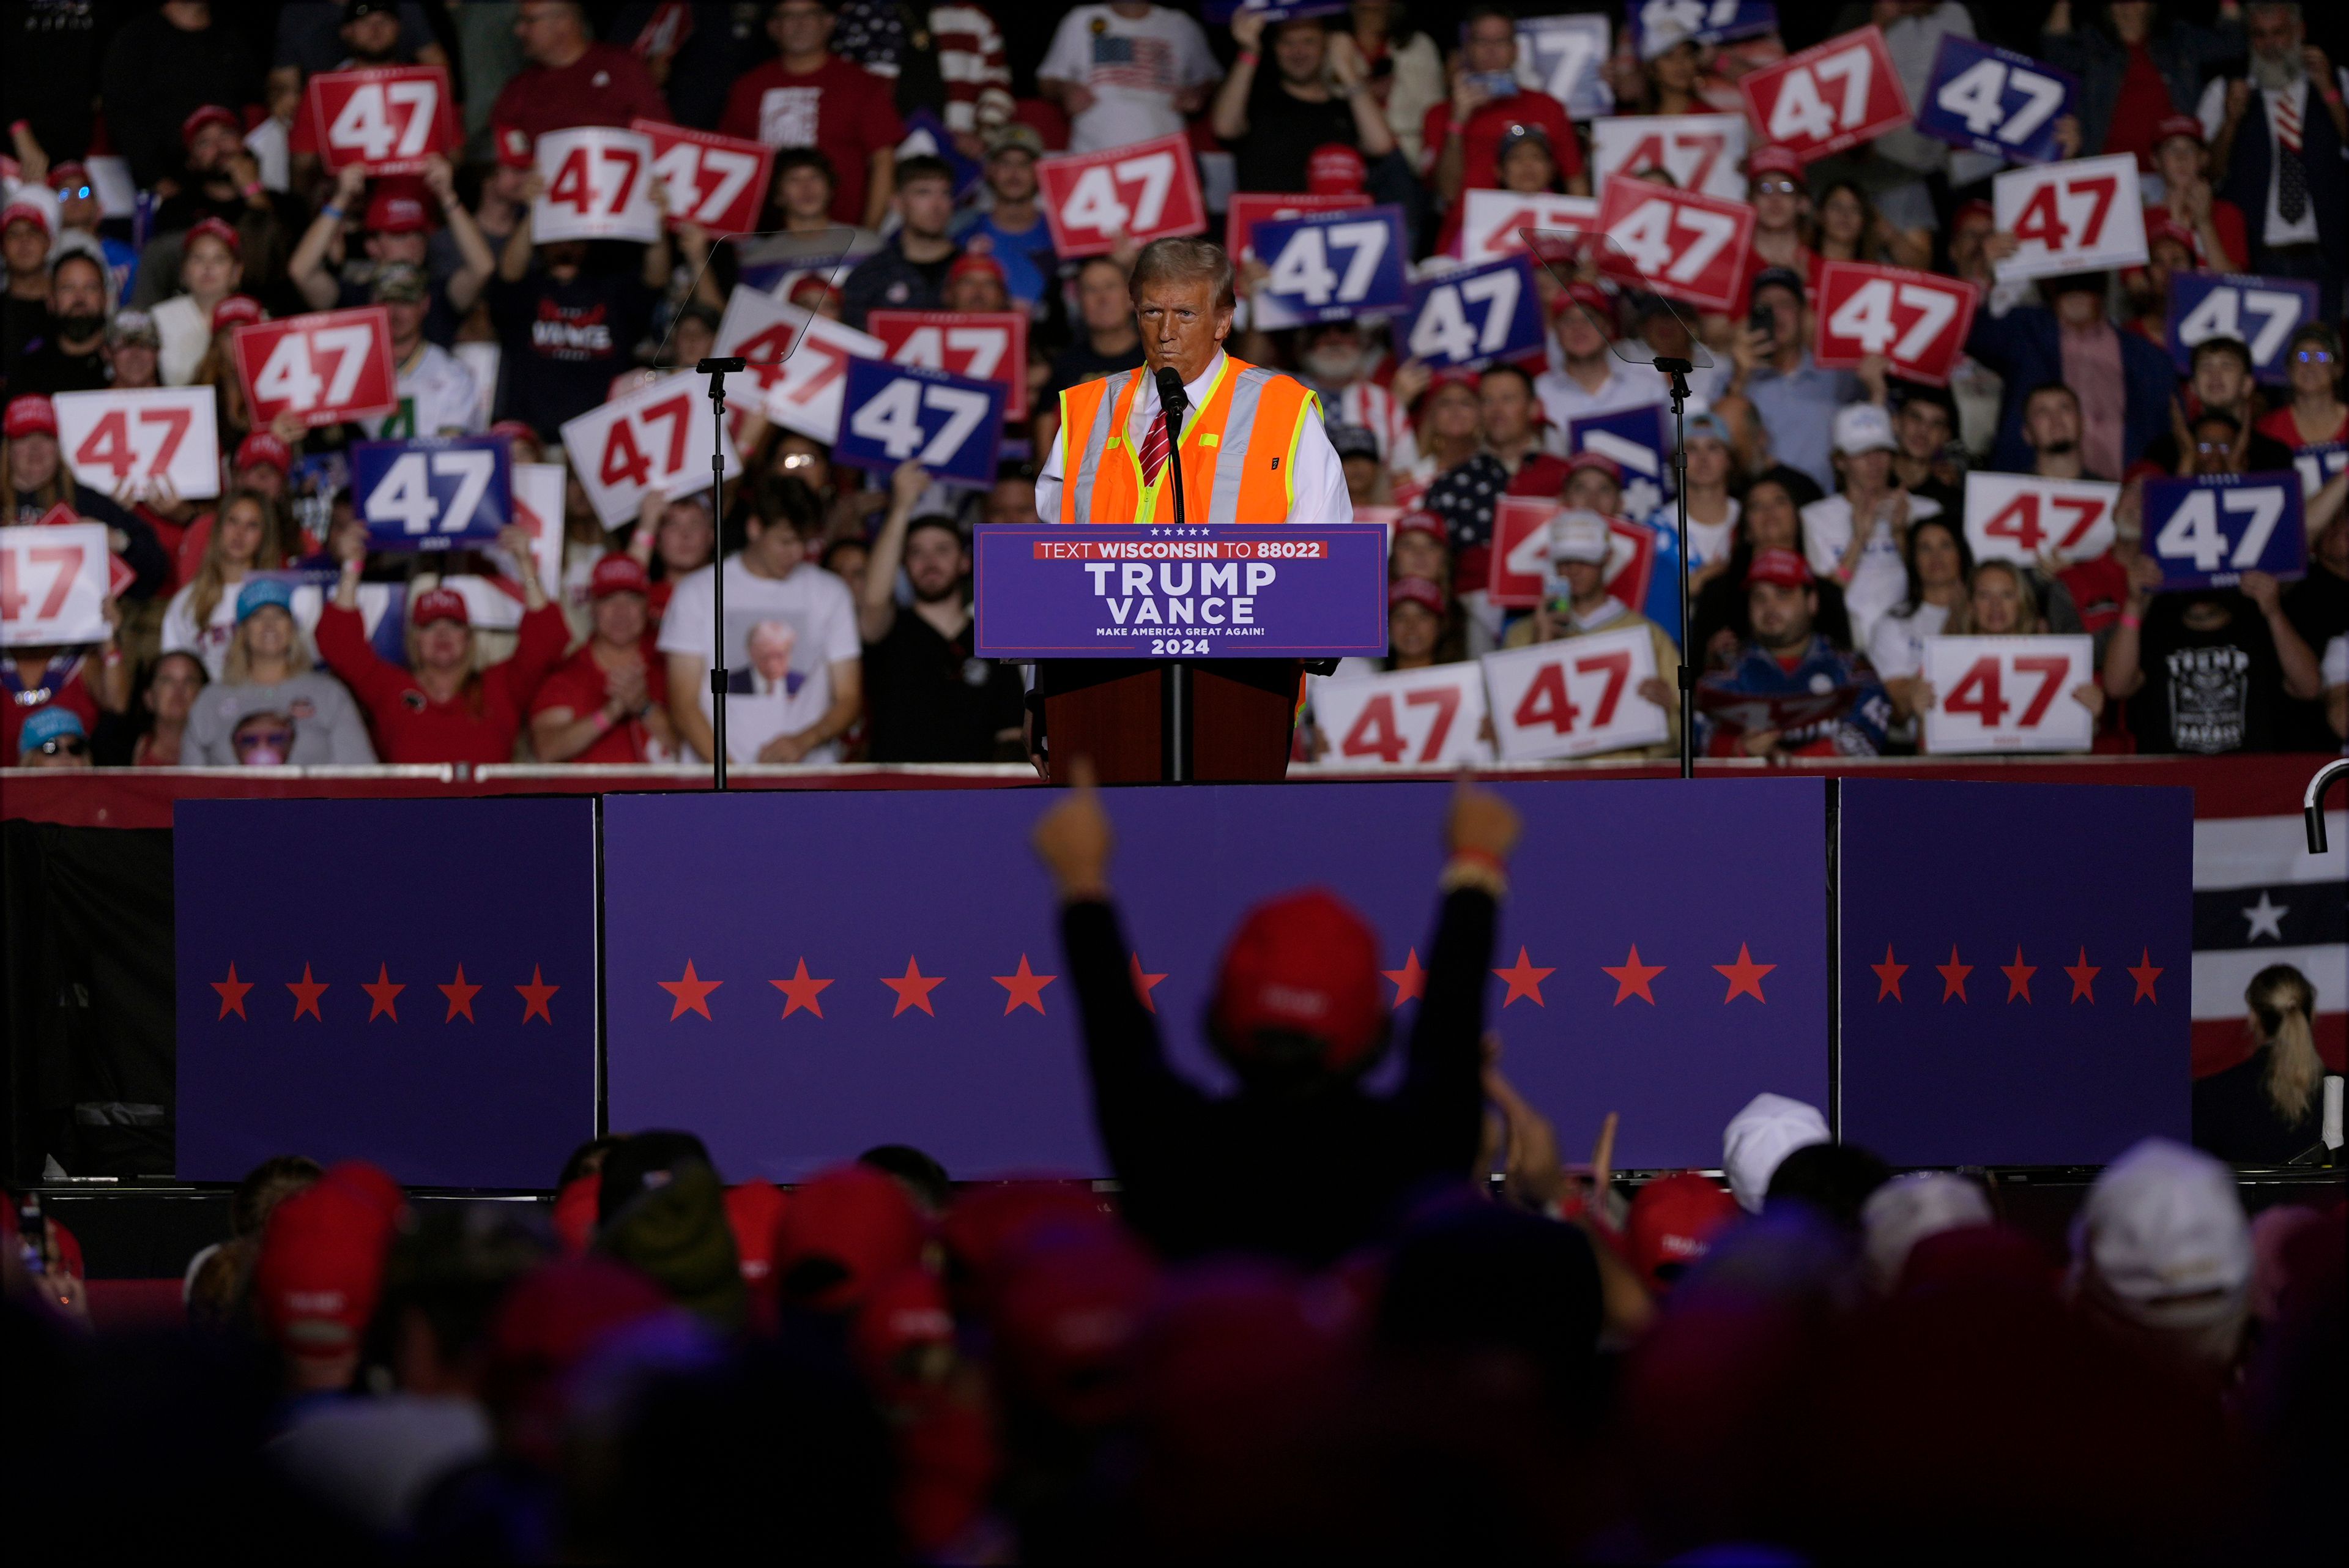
(1520, 571)
(1432, 718)
(323, 367)
(1919, 320)
(2008, 693)
(1574, 698)
(717, 181)
(1491, 221)
(2081, 216)
(1675, 242)
(986, 346)
(798, 361)
(389, 119)
(1248, 209)
(1143, 191)
(1832, 96)
(2022, 517)
(655, 439)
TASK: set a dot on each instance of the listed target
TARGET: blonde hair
(2283, 1002)
(211, 581)
(2027, 619)
(301, 656)
(1183, 260)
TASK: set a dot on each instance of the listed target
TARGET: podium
(1172, 654)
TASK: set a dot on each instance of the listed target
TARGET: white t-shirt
(1708, 542)
(1879, 580)
(1134, 68)
(208, 643)
(438, 396)
(816, 608)
(1897, 647)
(2333, 667)
(183, 331)
(1563, 398)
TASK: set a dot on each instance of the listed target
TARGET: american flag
(2261, 899)
(1146, 65)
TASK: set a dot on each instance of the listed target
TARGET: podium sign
(1152, 592)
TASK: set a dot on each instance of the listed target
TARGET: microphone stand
(715, 370)
(1677, 369)
(1175, 404)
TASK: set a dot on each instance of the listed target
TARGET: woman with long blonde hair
(249, 536)
(2268, 1109)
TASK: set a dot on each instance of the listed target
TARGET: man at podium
(1249, 441)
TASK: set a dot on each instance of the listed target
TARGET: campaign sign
(1330, 266)
(1432, 718)
(1520, 569)
(1704, 152)
(1470, 319)
(1563, 56)
(1996, 101)
(2024, 518)
(717, 181)
(1676, 243)
(136, 439)
(1249, 208)
(1574, 698)
(2033, 1010)
(1220, 12)
(1918, 320)
(1140, 193)
(1491, 221)
(1831, 96)
(1309, 591)
(439, 1017)
(2208, 530)
(2317, 463)
(2008, 693)
(324, 368)
(390, 119)
(54, 584)
(1740, 711)
(1638, 442)
(2263, 312)
(433, 493)
(798, 361)
(951, 425)
(538, 490)
(118, 575)
(986, 346)
(656, 438)
(1703, 21)
(2086, 214)
(599, 186)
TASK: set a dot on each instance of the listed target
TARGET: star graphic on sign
(1953, 976)
(914, 988)
(1410, 981)
(1027, 987)
(1887, 976)
(1631, 978)
(306, 993)
(2018, 975)
(2145, 972)
(2266, 917)
(383, 994)
(801, 993)
(2084, 978)
(1744, 976)
(461, 997)
(232, 992)
(692, 993)
(1143, 984)
(1525, 980)
(536, 996)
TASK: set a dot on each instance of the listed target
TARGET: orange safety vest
(1238, 451)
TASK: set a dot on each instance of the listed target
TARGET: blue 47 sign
(951, 425)
(1475, 316)
(1635, 440)
(1561, 55)
(1327, 266)
(2207, 530)
(2263, 312)
(1704, 21)
(1996, 101)
(2318, 464)
(433, 493)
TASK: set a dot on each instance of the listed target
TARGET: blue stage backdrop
(408, 981)
(799, 976)
(2015, 967)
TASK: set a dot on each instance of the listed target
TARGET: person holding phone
(1463, 135)
(1317, 94)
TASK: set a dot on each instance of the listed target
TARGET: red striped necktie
(2292, 176)
(1154, 447)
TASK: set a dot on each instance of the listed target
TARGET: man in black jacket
(1300, 1163)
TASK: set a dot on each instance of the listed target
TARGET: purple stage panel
(411, 982)
(917, 914)
(2016, 962)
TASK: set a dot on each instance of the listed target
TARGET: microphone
(1172, 398)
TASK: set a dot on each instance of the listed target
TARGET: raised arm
(1230, 114)
(1442, 1078)
(465, 284)
(878, 607)
(307, 269)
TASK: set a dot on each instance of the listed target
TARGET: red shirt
(2100, 588)
(1479, 145)
(477, 725)
(2278, 424)
(605, 86)
(2138, 112)
(2227, 218)
(843, 111)
(580, 684)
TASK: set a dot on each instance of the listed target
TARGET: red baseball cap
(31, 414)
(226, 234)
(263, 447)
(515, 430)
(1302, 964)
(25, 210)
(514, 145)
(321, 1269)
(976, 263)
(2177, 125)
(574, 1214)
(753, 1210)
(1783, 568)
(64, 176)
(1065, 1323)
(1592, 298)
(209, 114)
(618, 574)
(1977, 208)
(1773, 160)
(441, 604)
(1671, 1224)
(1597, 460)
(548, 1322)
(986, 1226)
(858, 1220)
(905, 1313)
(1423, 522)
(2171, 229)
(398, 206)
(811, 291)
(236, 310)
(1334, 168)
(1415, 591)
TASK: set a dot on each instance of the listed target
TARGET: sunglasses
(252, 739)
(65, 746)
(1777, 188)
(2314, 357)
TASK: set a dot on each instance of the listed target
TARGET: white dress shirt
(2212, 112)
(1318, 485)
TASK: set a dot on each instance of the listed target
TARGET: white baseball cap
(1766, 1131)
(1907, 1209)
(1577, 537)
(2163, 1236)
(1863, 427)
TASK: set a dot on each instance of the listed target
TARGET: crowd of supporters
(166, 188)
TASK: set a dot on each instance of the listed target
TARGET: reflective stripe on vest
(1220, 435)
